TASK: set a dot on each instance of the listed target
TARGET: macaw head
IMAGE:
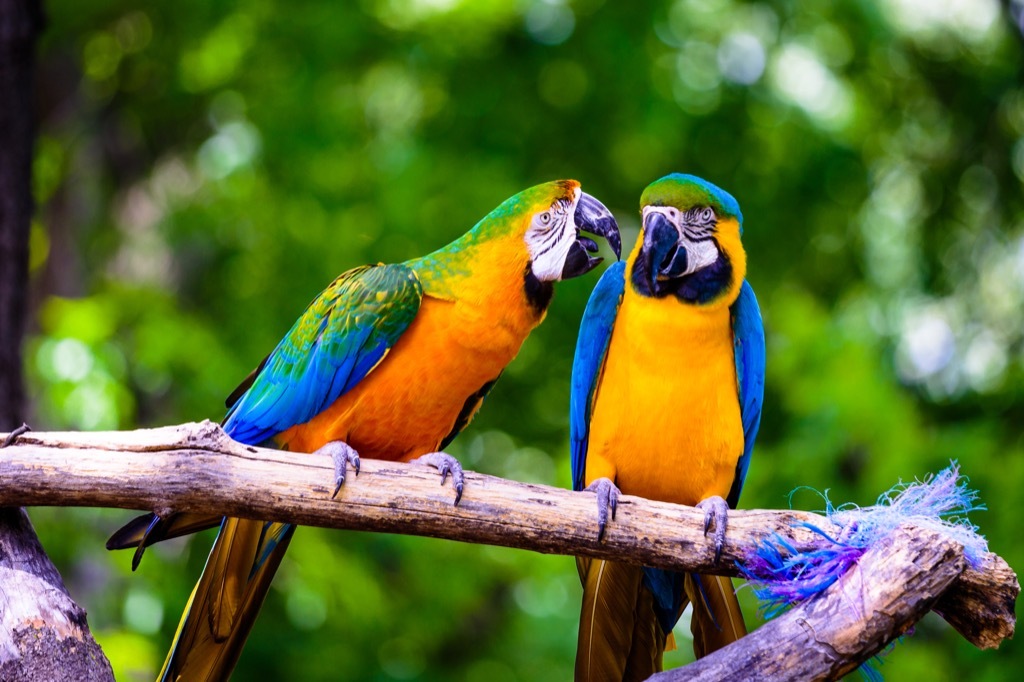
(552, 218)
(542, 226)
(689, 245)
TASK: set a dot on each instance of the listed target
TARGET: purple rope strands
(782, 576)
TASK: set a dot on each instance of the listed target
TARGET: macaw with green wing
(667, 386)
(389, 362)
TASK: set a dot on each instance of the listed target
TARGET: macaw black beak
(665, 256)
(594, 217)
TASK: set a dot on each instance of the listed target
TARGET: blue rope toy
(783, 576)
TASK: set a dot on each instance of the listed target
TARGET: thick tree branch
(195, 467)
(891, 588)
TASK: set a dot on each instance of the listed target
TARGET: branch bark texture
(197, 468)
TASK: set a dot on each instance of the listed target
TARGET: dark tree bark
(20, 21)
(43, 633)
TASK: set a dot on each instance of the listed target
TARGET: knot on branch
(207, 435)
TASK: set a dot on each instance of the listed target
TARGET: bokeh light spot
(741, 58)
(549, 22)
(143, 612)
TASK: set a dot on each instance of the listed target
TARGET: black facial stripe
(552, 240)
(695, 224)
(698, 235)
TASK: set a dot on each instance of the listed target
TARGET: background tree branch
(197, 468)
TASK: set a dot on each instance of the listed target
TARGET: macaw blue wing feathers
(591, 347)
(749, 351)
(337, 341)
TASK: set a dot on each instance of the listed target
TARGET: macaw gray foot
(13, 435)
(342, 454)
(716, 513)
(446, 464)
(607, 500)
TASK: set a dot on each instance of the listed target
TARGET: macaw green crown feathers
(685, 191)
(510, 215)
(439, 269)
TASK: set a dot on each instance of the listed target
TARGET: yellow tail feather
(223, 606)
(717, 619)
(619, 637)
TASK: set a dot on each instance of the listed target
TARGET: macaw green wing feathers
(343, 334)
(591, 347)
(749, 351)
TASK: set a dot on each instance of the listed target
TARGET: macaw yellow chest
(666, 420)
(411, 401)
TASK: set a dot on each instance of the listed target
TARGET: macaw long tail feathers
(143, 531)
(619, 637)
(717, 619)
(223, 606)
(138, 529)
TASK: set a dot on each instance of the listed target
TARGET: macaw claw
(13, 435)
(446, 464)
(607, 499)
(342, 454)
(716, 513)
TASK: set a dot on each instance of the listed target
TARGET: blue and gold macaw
(389, 362)
(667, 386)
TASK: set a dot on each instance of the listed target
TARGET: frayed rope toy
(783, 576)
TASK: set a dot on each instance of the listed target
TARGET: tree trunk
(43, 633)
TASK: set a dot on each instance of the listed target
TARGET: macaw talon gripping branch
(716, 513)
(607, 501)
(342, 454)
(446, 464)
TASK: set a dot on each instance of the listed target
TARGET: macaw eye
(544, 218)
(707, 215)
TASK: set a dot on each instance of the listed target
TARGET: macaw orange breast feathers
(410, 402)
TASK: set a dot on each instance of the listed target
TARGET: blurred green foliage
(205, 168)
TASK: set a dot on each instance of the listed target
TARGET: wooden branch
(890, 588)
(197, 468)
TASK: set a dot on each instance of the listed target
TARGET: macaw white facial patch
(550, 236)
(699, 255)
(696, 227)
